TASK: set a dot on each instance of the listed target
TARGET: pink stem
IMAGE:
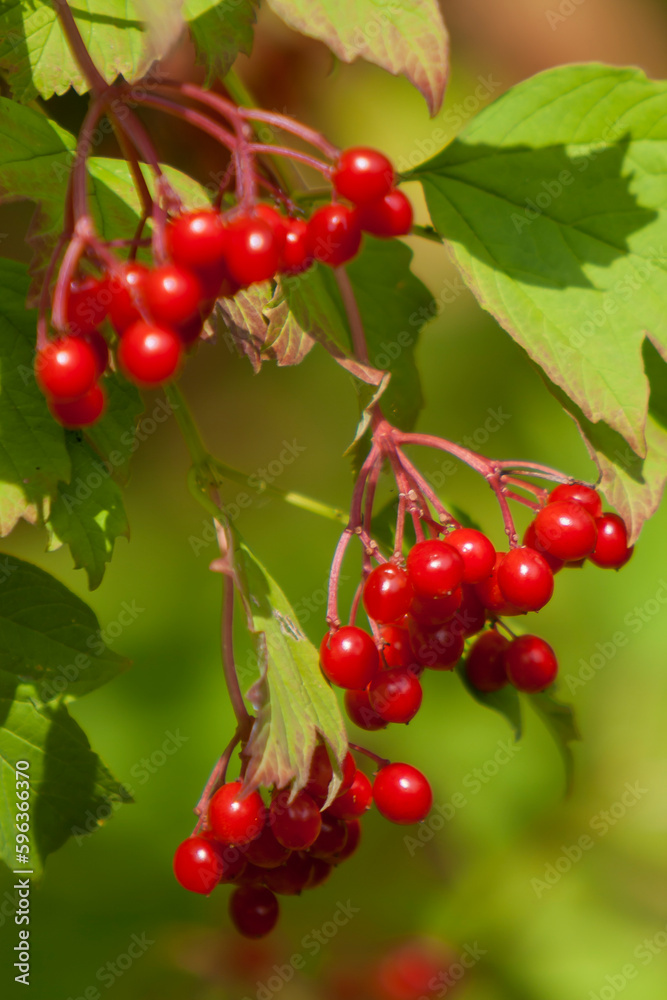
(95, 80)
(216, 779)
(308, 135)
(382, 761)
(261, 148)
(423, 486)
(511, 495)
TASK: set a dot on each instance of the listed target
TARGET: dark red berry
(402, 794)
(172, 295)
(293, 876)
(331, 839)
(387, 593)
(198, 865)
(235, 819)
(433, 611)
(485, 663)
(355, 801)
(321, 869)
(149, 354)
(530, 663)
(566, 529)
(321, 773)
(197, 240)
(476, 550)
(253, 250)
(471, 616)
(530, 540)
(611, 549)
(265, 851)
(353, 839)
(349, 657)
(81, 412)
(189, 331)
(125, 286)
(294, 257)
(66, 368)
(388, 216)
(395, 694)
(233, 861)
(100, 349)
(333, 235)
(254, 910)
(397, 648)
(87, 304)
(585, 496)
(363, 174)
(434, 568)
(296, 823)
(525, 579)
(361, 713)
(439, 648)
(491, 595)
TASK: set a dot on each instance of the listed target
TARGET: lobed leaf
(561, 723)
(220, 31)
(505, 701)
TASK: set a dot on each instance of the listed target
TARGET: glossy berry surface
(353, 839)
(253, 251)
(66, 368)
(476, 551)
(331, 839)
(254, 910)
(360, 711)
(87, 304)
(363, 174)
(349, 658)
(530, 540)
(275, 220)
(586, 497)
(198, 865)
(611, 548)
(387, 593)
(334, 235)
(471, 615)
(395, 694)
(171, 294)
(530, 663)
(236, 820)
(295, 824)
(265, 851)
(490, 594)
(439, 648)
(126, 289)
(321, 773)
(433, 611)
(388, 216)
(485, 663)
(81, 412)
(355, 801)
(148, 354)
(100, 349)
(434, 568)
(197, 240)
(566, 529)
(402, 794)
(397, 648)
(294, 257)
(525, 579)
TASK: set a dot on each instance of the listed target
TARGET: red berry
(530, 663)
(530, 540)
(388, 216)
(353, 838)
(254, 910)
(172, 294)
(363, 174)
(434, 568)
(293, 876)
(125, 285)
(198, 865)
(438, 649)
(294, 257)
(402, 794)
(295, 824)
(611, 549)
(485, 663)
(355, 801)
(321, 869)
(321, 773)
(476, 550)
(66, 368)
(433, 611)
(100, 349)
(333, 235)
(275, 220)
(349, 657)
(189, 331)
(331, 839)
(361, 713)
(525, 579)
(395, 694)
(265, 851)
(236, 820)
(148, 354)
(387, 593)
(233, 861)
(491, 595)
(197, 240)
(87, 303)
(471, 616)
(578, 493)
(566, 529)
(397, 650)
(81, 412)
(253, 250)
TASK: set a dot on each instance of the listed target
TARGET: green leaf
(553, 204)
(294, 704)
(286, 341)
(407, 38)
(244, 321)
(505, 701)
(71, 791)
(561, 723)
(49, 636)
(88, 513)
(220, 31)
(33, 456)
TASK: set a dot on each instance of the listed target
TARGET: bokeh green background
(472, 883)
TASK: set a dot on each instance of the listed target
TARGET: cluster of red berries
(423, 613)
(158, 313)
(295, 843)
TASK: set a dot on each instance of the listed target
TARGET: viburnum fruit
(81, 412)
(433, 611)
(397, 648)
(149, 354)
(349, 657)
(353, 839)
(353, 802)
(485, 663)
(402, 794)
(126, 288)
(470, 617)
(235, 819)
(395, 694)
(566, 530)
(266, 851)
(66, 368)
(333, 235)
(198, 864)
(294, 257)
(296, 823)
(387, 217)
(490, 594)
(87, 303)
(525, 579)
(361, 712)
(321, 773)
(439, 648)
(434, 568)
(530, 663)
(197, 240)
(611, 548)
(476, 551)
(363, 174)
(172, 295)
(254, 910)
(100, 349)
(332, 838)
(275, 220)
(579, 493)
(531, 542)
(387, 593)
(253, 251)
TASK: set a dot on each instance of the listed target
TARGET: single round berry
(349, 658)
(530, 663)
(100, 349)
(81, 412)
(476, 550)
(530, 540)
(485, 663)
(438, 649)
(125, 286)
(331, 839)
(333, 235)
(491, 595)
(254, 910)
(388, 216)
(434, 568)
(387, 593)
(611, 549)
(233, 819)
(265, 851)
(321, 773)
(585, 496)
(296, 823)
(363, 174)
(433, 611)
(402, 794)
(198, 865)
(87, 305)
(397, 648)
(471, 615)
(395, 694)
(361, 712)
(566, 529)
(66, 368)
(172, 294)
(294, 256)
(149, 354)
(253, 251)
(525, 579)
(352, 842)
(197, 240)
(355, 801)
(275, 220)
